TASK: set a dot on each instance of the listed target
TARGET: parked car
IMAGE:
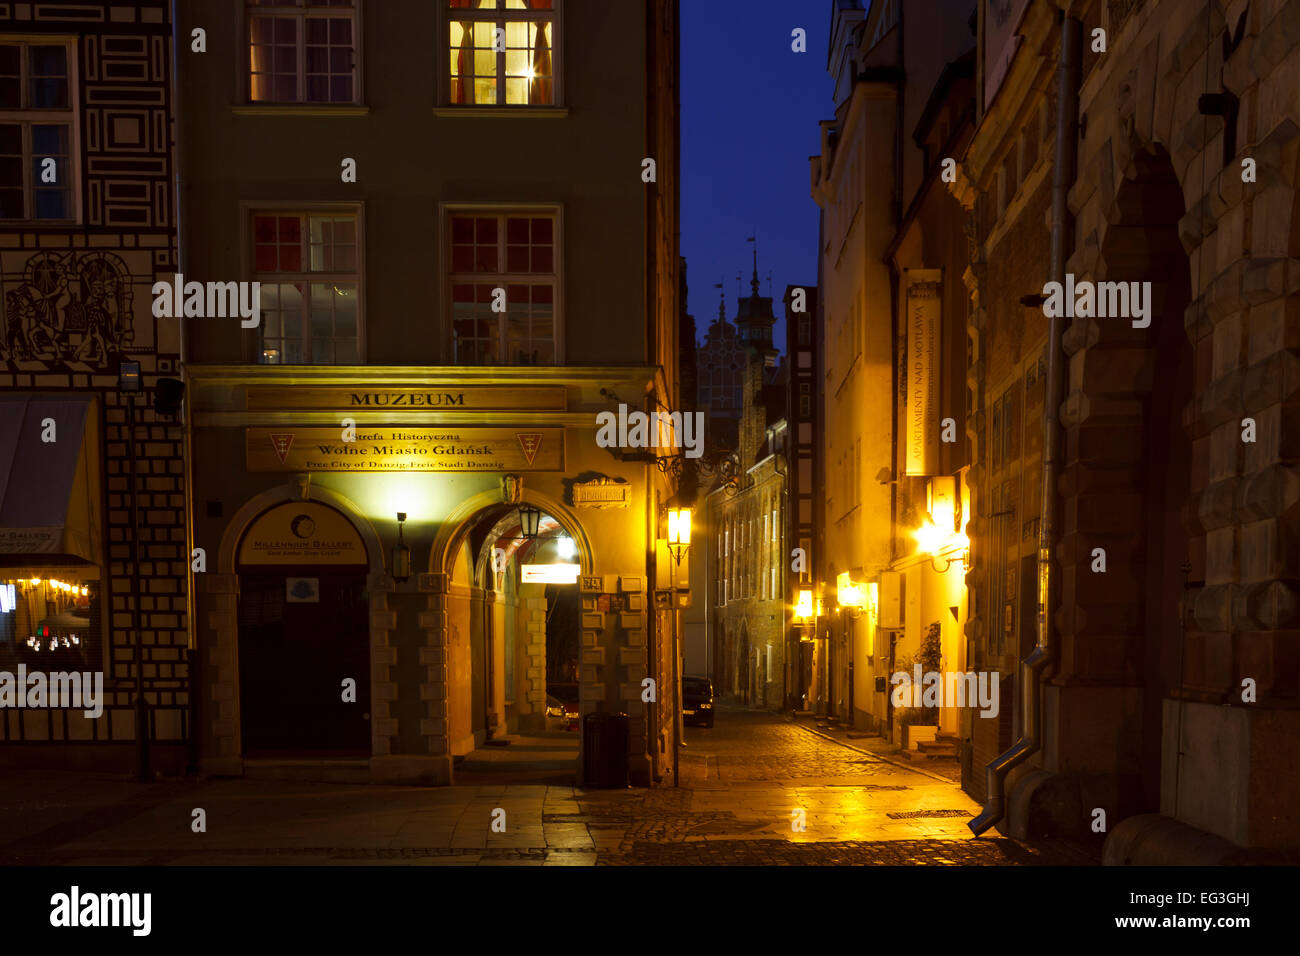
(697, 701)
(562, 705)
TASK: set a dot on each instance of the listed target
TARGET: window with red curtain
(502, 52)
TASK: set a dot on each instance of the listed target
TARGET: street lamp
(803, 608)
(679, 532)
(937, 543)
(129, 384)
(848, 595)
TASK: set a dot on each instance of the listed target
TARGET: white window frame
(298, 10)
(26, 117)
(448, 278)
(247, 210)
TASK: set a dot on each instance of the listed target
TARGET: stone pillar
(383, 663)
(614, 660)
(222, 755)
(431, 764)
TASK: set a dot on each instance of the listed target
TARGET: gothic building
(745, 521)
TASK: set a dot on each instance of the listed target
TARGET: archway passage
(1142, 245)
(514, 648)
(304, 639)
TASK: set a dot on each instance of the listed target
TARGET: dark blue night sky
(750, 108)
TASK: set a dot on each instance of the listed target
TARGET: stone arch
(220, 704)
(459, 522)
(297, 490)
(446, 646)
(1126, 481)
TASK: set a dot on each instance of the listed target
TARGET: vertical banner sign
(921, 427)
(1001, 20)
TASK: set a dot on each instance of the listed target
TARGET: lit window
(302, 51)
(37, 161)
(307, 263)
(507, 261)
(502, 52)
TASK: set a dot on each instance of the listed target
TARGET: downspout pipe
(192, 655)
(1037, 666)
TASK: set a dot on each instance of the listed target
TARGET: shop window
(308, 264)
(38, 168)
(303, 51)
(504, 282)
(50, 624)
(502, 52)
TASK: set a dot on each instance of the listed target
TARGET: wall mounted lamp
(530, 519)
(679, 532)
(401, 564)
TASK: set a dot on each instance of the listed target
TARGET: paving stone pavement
(753, 778)
(753, 770)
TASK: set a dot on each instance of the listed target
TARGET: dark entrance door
(294, 654)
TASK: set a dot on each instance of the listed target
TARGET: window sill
(297, 109)
(504, 112)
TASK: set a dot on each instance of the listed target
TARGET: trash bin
(604, 750)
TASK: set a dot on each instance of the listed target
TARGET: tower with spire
(755, 318)
(720, 372)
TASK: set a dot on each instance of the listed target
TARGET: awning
(49, 490)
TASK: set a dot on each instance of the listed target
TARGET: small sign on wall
(302, 590)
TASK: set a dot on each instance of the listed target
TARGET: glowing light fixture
(401, 563)
(679, 532)
(565, 547)
(930, 538)
(803, 607)
(936, 543)
(529, 520)
(847, 594)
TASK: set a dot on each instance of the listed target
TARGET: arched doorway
(303, 634)
(513, 644)
(1142, 245)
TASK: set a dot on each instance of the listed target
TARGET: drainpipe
(1035, 667)
(192, 655)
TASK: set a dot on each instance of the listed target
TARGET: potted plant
(915, 725)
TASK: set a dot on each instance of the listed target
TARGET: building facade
(94, 560)
(893, 346)
(1133, 611)
(746, 524)
(1159, 141)
(465, 268)
(804, 483)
